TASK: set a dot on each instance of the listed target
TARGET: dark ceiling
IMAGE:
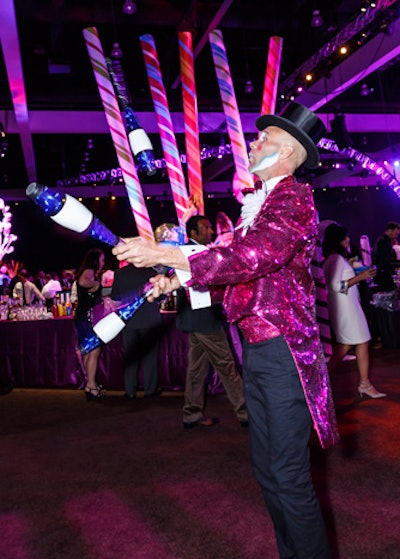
(50, 105)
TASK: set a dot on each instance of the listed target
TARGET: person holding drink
(347, 317)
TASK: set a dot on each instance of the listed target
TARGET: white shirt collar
(270, 184)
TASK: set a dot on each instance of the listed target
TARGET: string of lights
(113, 176)
(369, 12)
(365, 161)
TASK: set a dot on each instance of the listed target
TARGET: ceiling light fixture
(116, 52)
(129, 8)
(316, 20)
(249, 87)
(3, 141)
(365, 90)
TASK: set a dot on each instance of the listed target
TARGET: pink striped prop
(191, 119)
(118, 133)
(272, 76)
(167, 135)
(231, 110)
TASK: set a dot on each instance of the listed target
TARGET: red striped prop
(190, 113)
(272, 76)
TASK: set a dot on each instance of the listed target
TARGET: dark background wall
(42, 244)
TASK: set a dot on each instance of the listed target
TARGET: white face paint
(265, 162)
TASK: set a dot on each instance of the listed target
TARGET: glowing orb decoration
(6, 237)
(170, 233)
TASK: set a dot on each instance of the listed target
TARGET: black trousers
(141, 346)
(279, 431)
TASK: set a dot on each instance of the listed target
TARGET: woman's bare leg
(362, 355)
(90, 362)
(339, 351)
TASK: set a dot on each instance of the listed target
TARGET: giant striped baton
(167, 135)
(118, 133)
(272, 76)
(231, 110)
(321, 302)
(191, 119)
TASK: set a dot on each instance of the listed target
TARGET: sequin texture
(270, 291)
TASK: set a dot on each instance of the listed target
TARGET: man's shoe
(129, 396)
(156, 392)
(204, 422)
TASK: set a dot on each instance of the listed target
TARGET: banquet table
(43, 353)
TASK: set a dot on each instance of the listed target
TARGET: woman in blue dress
(88, 281)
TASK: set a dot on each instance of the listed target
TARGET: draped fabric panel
(44, 354)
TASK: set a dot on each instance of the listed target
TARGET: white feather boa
(252, 203)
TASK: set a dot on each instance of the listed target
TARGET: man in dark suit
(385, 257)
(141, 334)
(207, 344)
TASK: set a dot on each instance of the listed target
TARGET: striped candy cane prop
(167, 135)
(139, 141)
(191, 119)
(272, 75)
(118, 133)
(231, 110)
(321, 302)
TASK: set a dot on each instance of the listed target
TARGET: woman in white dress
(345, 312)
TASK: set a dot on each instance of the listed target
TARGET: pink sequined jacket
(270, 291)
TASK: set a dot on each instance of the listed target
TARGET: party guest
(25, 290)
(142, 334)
(207, 344)
(88, 296)
(270, 295)
(50, 289)
(385, 257)
(345, 311)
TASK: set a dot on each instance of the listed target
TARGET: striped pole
(190, 113)
(272, 76)
(231, 110)
(321, 302)
(118, 133)
(167, 135)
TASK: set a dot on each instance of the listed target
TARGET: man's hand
(137, 251)
(162, 284)
(146, 254)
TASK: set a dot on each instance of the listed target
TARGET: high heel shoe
(96, 393)
(367, 389)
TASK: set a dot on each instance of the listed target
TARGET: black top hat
(302, 124)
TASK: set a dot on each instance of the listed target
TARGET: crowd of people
(18, 283)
